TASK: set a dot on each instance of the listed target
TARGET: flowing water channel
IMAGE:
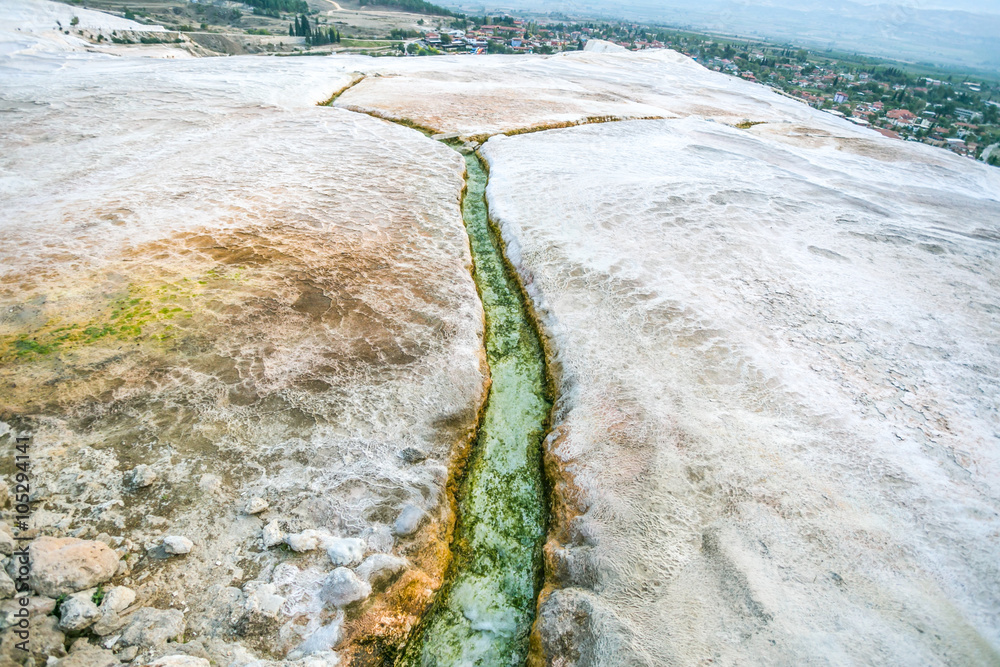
(484, 611)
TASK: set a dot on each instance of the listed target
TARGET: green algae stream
(484, 611)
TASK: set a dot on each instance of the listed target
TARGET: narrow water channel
(484, 611)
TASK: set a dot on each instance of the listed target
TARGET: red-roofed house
(900, 117)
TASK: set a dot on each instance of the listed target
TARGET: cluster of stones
(80, 619)
(66, 597)
(354, 575)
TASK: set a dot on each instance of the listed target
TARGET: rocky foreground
(241, 333)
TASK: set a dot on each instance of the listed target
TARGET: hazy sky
(979, 6)
(930, 31)
(976, 6)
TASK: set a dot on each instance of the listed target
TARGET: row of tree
(315, 36)
(272, 7)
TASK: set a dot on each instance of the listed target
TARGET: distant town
(962, 116)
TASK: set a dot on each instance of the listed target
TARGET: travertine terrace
(259, 299)
(244, 322)
(777, 435)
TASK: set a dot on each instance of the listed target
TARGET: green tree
(302, 27)
(273, 7)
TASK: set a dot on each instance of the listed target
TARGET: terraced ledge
(333, 98)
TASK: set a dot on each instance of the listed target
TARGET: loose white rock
(118, 598)
(7, 587)
(409, 520)
(60, 566)
(378, 568)
(307, 540)
(7, 542)
(109, 621)
(256, 505)
(180, 661)
(342, 587)
(86, 655)
(272, 535)
(149, 627)
(177, 545)
(346, 551)
(320, 641)
(80, 644)
(262, 599)
(78, 612)
(142, 476)
(128, 653)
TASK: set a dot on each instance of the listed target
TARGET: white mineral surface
(777, 349)
(206, 274)
(779, 362)
(477, 96)
(778, 352)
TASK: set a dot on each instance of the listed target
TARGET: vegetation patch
(333, 98)
(415, 6)
(589, 120)
(142, 313)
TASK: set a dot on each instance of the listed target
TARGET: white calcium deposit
(778, 428)
(777, 348)
(206, 274)
(477, 95)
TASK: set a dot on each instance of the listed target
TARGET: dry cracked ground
(241, 333)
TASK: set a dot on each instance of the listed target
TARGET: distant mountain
(959, 32)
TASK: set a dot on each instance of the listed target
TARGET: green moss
(495, 575)
(139, 314)
(589, 120)
(25, 347)
(333, 98)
